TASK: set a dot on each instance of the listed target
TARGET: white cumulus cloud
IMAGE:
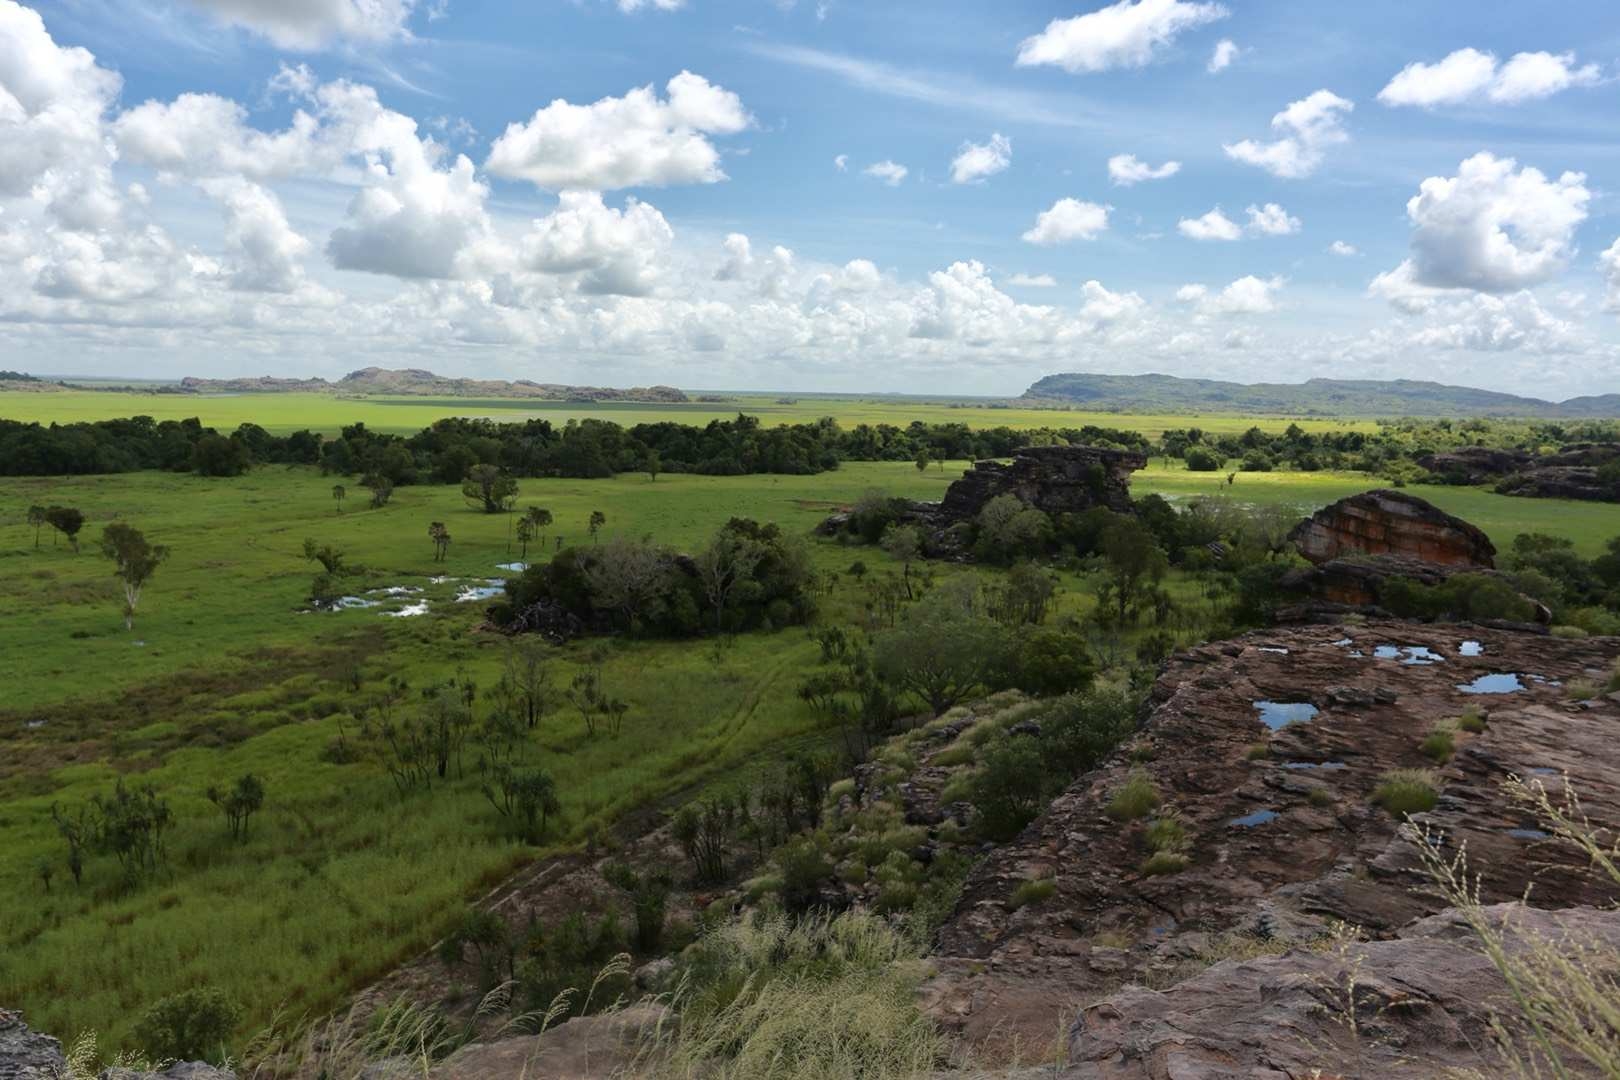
(638, 140)
(1068, 220)
(1127, 34)
(1211, 226)
(1492, 228)
(1610, 263)
(1272, 220)
(1047, 281)
(616, 252)
(976, 162)
(1340, 248)
(1247, 295)
(1470, 76)
(1307, 128)
(1125, 170)
(312, 24)
(1226, 51)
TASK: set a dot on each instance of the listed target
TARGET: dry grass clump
(1136, 798)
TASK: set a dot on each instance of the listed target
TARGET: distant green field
(281, 413)
(341, 879)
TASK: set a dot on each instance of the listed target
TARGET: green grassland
(326, 413)
(225, 672)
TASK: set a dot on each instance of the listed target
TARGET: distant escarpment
(417, 381)
(1315, 397)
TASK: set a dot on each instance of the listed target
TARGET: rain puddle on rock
(1529, 834)
(409, 611)
(1507, 683)
(1344, 643)
(492, 588)
(1471, 648)
(1277, 715)
(1542, 770)
(1411, 655)
(1279, 650)
(1249, 821)
(1542, 679)
(1302, 765)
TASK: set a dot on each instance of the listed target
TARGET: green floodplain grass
(341, 879)
(327, 413)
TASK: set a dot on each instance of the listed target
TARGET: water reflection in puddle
(395, 591)
(1471, 648)
(1249, 821)
(1277, 649)
(1506, 683)
(514, 567)
(409, 610)
(1302, 765)
(1277, 715)
(348, 603)
(1528, 834)
(489, 591)
(1412, 655)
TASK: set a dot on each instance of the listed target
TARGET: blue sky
(837, 195)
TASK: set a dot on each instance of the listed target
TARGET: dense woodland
(446, 451)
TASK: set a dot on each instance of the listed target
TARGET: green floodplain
(228, 671)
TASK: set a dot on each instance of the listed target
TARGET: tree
(940, 652)
(525, 533)
(134, 562)
(215, 455)
(539, 519)
(381, 488)
(649, 898)
(37, 519)
(626, 576)
(441, 540)
(529, 678)
(923, 460)
(904, 542)
(598, 519)
(238, 804)
(1133, 562)
(489, 489)
(338, 495)
(67, 521)
(652, 464)
(1010, 529)
(327, 586)
(729, 560)
(528, 797)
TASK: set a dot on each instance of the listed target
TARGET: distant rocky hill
(417, 381)
(1320, 397)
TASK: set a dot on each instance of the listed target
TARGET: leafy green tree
(598, 519)
(36, 519)
(1133, 563)
(652, 464)
(339, 493)
(238, 803)
(441, 540)
(1010, 529)
(129, 824)
(939, 652)
(922, 461)
(726, 564)
(539, 519)
(1010, 787)
(706, 830)
(489, 489)
(216, 455)
(67, 521)
(134, 562)
(525, 535)
(327, 586)
(381, 488)
(526, 797)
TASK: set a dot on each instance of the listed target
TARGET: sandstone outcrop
(1267, 750)
(29, 1055)
(1474, 464)
(1421, 1003)
(1056, 479)
(1561, 482)
(1384, 522)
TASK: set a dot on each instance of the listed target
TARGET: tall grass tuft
(828, 998)
(1136, 798)
(1407, 791)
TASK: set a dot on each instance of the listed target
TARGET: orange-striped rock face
(1392, 523)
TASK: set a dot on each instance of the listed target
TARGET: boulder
(585, 1048)
(26, 1054)
(1384, 522)
(1560, 482)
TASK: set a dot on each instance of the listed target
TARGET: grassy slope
(281, 413)
(340, 879)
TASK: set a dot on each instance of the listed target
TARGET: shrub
(1258, 752)
(1568, 633)
(1031, 892)
(192, 1025)
(1199, 460)
(1581, 690)
(1407, 791)
(1010, 788)
(1164, 862)
(1472, 720)
(1080, 730)
(1438, 745)
(1136, 798)
(1165, 834)
(804, 869)
(1320, 797)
